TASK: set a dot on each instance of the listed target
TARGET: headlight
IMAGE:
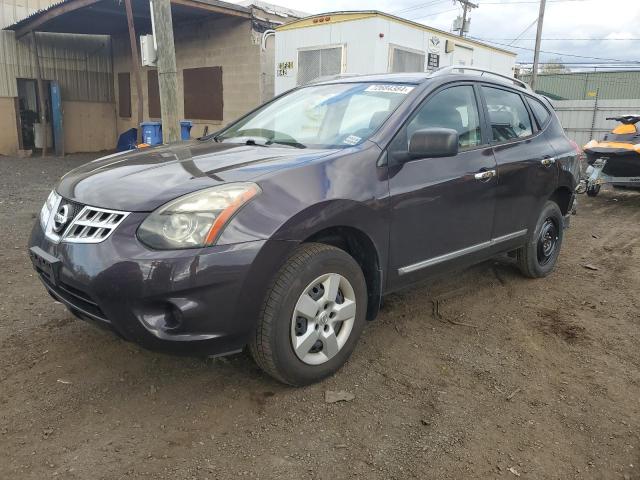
(47, 208)
(195, 220)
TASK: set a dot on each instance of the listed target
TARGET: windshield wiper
(287, 143)
(254, 141)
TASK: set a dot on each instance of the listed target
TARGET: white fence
(584, 120)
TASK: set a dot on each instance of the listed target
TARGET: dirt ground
(535, 379)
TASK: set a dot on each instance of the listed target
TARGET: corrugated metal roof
(101, 26)
(274, 9)
(35, 14)
(81, 64)
(12, 11)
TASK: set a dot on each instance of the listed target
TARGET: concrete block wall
(89, 126)
(227, 42)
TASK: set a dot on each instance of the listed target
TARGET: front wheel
(538, 257)
(312, 317)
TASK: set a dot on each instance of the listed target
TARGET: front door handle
(485, 175)
(547, 162)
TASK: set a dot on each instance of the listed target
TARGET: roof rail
(462, 68)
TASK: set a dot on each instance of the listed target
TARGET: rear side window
(508, 115)
(539, 111)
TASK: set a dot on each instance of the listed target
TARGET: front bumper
(203, 301)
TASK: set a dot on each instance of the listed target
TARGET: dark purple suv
(283, 231)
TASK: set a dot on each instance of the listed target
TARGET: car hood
(142, 180)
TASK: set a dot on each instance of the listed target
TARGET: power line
(568, 39)
(523, 2)
(481, 2)
(524, 31)
(553, 53)
(419, 6)
(561, 62)
(435, 13)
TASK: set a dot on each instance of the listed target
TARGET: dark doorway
(33, 136)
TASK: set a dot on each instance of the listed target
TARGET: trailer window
(406, 61)
(317, 63)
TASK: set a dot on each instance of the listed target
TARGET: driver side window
(455, 108)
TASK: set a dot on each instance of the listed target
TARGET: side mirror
(433, 142)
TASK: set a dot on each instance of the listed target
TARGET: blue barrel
(151, 133)
(185, 129)
(127, 140)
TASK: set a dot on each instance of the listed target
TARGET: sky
(606, 23)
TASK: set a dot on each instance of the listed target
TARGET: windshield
(322, 116)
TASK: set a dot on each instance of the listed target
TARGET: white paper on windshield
(402, 89)
(352, 140)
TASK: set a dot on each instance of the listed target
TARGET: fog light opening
(173, 318)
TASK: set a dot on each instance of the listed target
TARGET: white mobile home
(373, 42)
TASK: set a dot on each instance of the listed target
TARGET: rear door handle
(547, 162)
(485, 175)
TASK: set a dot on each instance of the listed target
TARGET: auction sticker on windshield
(352, 140)
(403, 89)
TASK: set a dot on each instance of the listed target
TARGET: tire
(593, 190)
(285, 316)
(538, 258)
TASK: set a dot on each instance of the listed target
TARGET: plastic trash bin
(127, 140)
(185, 129)
(151, 133)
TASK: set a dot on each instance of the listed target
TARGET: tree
(555, 65)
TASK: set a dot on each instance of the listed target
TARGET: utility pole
(536, 54)
(167, 70)
(466, 5)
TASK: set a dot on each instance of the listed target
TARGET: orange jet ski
(616, 159)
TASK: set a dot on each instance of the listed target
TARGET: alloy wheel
(323, 318)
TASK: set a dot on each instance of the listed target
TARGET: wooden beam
(41, 107)
(16, 102)
(135, 64)
(51, 14)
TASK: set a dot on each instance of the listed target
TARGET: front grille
(76, 223)
(93, 225)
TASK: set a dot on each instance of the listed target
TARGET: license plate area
(46, 264)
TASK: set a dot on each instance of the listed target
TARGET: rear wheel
(539, 256)
(312, 317)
